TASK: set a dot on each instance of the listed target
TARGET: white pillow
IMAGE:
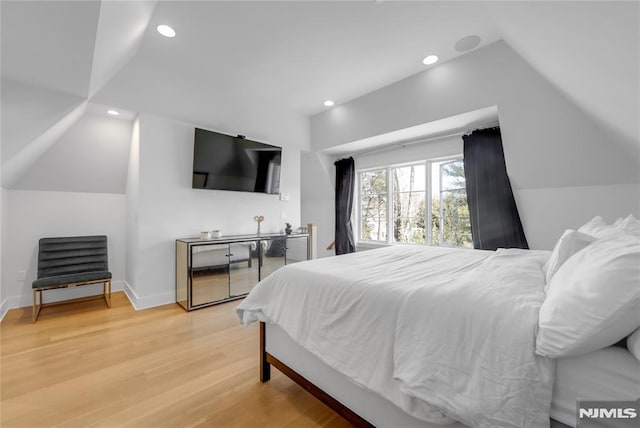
(633, 344)
(631, 225)
(569, 243)
(598, 227)
(593, 300)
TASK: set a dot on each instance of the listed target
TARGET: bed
(424, 336)
(611, 372)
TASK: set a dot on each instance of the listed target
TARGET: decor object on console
(259, 219)
(288, 229)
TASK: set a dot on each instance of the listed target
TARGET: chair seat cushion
(60, 280)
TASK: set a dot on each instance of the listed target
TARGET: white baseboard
(4, 308)
(146, 302)
(138, 303)
(26, 300)
(131, 295)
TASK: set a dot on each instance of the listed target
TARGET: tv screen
(223, 162)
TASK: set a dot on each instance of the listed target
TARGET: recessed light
(467, 43)
(328, 103)
(166, 31)
(431, 59)
(113, 112)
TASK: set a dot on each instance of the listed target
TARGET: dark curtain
(495, 222)
(345, 179)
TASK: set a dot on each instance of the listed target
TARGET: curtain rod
(423, 140)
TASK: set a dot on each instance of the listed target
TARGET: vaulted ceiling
(233, 61)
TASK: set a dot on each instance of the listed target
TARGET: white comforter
(445, 334)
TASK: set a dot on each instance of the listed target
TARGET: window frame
(428, 163)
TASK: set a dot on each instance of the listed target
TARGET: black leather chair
(69, 262)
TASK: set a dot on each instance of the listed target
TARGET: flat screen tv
(223, 162)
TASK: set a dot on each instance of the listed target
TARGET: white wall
(433, 149)
(317, 189)
(31, 215)
(547, 212)
(168, 208)
(548, 141)
(95, 149)
(3, 218)
(132, 195)
(4, 301)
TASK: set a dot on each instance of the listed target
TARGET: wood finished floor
(83, 365)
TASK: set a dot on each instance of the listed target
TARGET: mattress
(608, 374)
(383, 413)
(373, 407)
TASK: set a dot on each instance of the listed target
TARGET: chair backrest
(75, 254)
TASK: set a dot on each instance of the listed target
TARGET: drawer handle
(229, 255)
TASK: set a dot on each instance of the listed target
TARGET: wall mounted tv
(223, 162)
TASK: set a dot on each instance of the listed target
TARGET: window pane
(373, 205)
(452, 175)
(409, 202)
(409, 178)
(409, 230)
(373, 182)
(374, 229)
(450, 213)
(455, 223)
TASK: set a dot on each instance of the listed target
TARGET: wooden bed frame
(267, 360)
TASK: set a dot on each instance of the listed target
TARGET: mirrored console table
(217, 270)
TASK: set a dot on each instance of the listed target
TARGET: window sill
(370, 245)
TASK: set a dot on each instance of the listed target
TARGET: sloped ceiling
(55, 56)
(49, 44)
(234, 61)
(588, 50)
(294, 55)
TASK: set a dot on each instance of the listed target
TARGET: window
(450, 223)
(373, 205)
(419, 197)
(409, 203)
